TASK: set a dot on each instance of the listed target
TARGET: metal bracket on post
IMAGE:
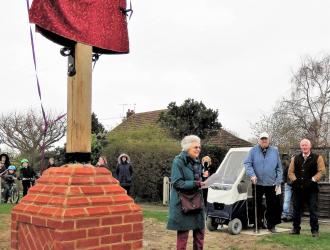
(69, 52)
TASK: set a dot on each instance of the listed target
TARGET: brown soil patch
(4, 231)
(156, 237)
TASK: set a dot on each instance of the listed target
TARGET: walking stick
(255, 210)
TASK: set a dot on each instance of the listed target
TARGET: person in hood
(124, 172)
(4, 158)
(27, 175)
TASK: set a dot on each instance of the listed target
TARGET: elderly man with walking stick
(263, 166)
(305, 171)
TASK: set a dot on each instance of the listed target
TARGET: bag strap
(181, 171)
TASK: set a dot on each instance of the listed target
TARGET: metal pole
(255, 210)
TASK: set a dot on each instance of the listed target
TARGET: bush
(151, 151)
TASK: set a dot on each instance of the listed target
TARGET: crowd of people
(263, 165)
(9, 173)
(300, 176)
(26, 174)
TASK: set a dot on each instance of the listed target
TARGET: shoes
(315, 234)
(289, 219)
(272, 230)
(286, 218)
(295, 231)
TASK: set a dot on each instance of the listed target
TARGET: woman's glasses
(197, 147)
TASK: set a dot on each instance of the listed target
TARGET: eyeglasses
(197, 147)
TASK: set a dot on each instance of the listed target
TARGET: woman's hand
(200, 184)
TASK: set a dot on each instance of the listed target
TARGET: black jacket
(285, 165)
(304, 171)
(124, 173)
(27, 173)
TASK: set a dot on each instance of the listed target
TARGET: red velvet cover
(100, 23)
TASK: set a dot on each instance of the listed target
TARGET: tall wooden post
(79, 100)
(77, 206)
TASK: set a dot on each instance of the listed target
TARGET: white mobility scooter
(229, 200)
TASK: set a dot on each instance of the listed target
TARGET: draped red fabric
(99, 23)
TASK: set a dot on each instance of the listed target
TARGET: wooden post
(80, 103)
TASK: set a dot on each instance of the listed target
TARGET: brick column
(77, 207)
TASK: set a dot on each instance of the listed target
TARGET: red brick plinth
(77, 207)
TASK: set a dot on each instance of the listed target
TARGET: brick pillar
(77, 207)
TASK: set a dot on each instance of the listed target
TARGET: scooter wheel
(235, 226)
(211, 224)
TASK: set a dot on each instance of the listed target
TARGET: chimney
(130, 112)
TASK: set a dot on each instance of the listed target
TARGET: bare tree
(306, 112)
(282, 131)
(309, 102)
(26, 132)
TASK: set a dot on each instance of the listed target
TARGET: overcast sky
(235, 56)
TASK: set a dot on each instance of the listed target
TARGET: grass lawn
(158, 215)
(302, 242)
(156, 218)
(6, 208)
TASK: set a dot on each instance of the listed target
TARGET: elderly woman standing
(186, 176)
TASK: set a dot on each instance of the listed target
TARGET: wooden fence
(324, 200)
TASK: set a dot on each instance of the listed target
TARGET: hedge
(151, 151)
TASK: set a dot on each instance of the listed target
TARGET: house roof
(223, 138)
(139, 120)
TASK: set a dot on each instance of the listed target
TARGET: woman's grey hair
(188, 140)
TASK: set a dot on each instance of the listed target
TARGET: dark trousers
(271, 205)
(127, 188)
(300, 198)
(26, 185)
(6, 192)
(198, 242)
(205, 191)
